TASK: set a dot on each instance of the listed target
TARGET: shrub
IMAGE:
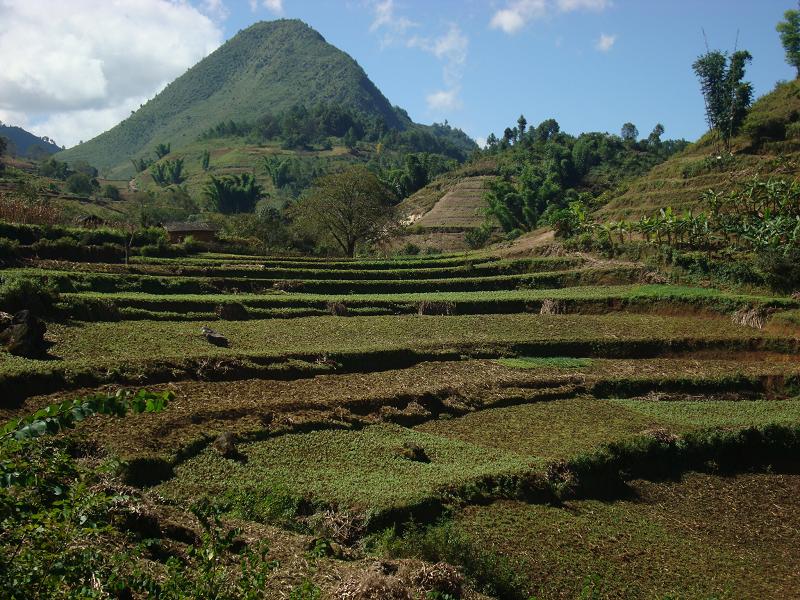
(410, 249)
(79, 183)
(477, 238)
(93, 309)
(760, 128)
(492, 573)
(94, 237)
(9, 249)
(64, 248)
(20, 293)
(781, 270)
(111, 192)
(793, 131)
(163, 249)
(191, 246)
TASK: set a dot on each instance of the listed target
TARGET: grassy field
(362, 471)
(704, 537)
(529, 371)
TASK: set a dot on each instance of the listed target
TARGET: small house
(201, 232)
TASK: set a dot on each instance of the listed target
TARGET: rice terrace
(266, 336)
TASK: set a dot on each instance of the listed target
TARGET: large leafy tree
(789, 30)
(726, 96)
(629, 132)
(350, 207)
(231, 194)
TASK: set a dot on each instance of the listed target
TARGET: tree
(547, 129)
(168, 172)
(231, 194)
(162, 150)
(726, 96)
(522, 123)
(351, 207)
(55, 169)
(111, 192)
(3, 148)
(141, 164)
(205, 159)
(350, 139)
(789, 31)
(79, 183)
(629, 132)
(654, 139)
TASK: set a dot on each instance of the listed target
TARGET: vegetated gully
(256, 409)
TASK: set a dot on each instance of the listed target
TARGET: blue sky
(591, 64)
(553, 65)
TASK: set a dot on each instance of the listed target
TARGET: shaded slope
(25, 144)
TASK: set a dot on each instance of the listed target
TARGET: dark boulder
(232, 311)
(213, 337)
(225, 444)
(23, 335)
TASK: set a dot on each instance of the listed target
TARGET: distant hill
(768, 145)
(265, 69)
(25, 144)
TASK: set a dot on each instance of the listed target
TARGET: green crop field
(456, 408)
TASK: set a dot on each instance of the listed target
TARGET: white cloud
(444, 100)
(275, 6)
(519, 13)
(79, 66)
(451, 49)
(391, 25)
(215, 9)
(570, 5)
(606, 42)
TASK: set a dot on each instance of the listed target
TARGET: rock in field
(213, 337)
(23, 334)
(225, 444)
(232, 311)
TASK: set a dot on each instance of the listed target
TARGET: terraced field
(555, 427)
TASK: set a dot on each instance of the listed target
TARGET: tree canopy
(789, 30)
(231, 194)
(350, 207)
(726, 96)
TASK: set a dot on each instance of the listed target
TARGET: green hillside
(768, 144)
(268, 68)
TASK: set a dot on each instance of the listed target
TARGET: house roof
(189, 227)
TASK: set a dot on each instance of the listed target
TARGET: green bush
(781, 270)
(761, 127)
(793, 131)
(410, 249)
(9, 249)
(477, 238)
(163, 249)
(61, 249)
(490, 572)
(19, 293)
(67, 248)
(111, 192)
(79, 183)
(94, 237)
